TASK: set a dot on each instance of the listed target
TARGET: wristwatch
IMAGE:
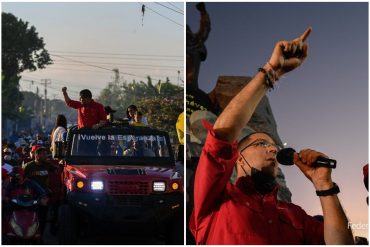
(332, 191)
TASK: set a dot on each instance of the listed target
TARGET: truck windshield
(115, 145)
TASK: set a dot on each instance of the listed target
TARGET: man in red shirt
(248, 211)
(90, 113)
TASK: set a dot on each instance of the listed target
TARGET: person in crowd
(163, 150)
(19, 184)
(129, 151)
(38, 169)
(31, 156)
(131, 112)
(138, 148)
(110, 113)
(248, 211)
(25, 158)
(141, 150)
(155, 148)
(10, 157)
(39, 139)
(59, 132)
(91, 114)
(137, 121)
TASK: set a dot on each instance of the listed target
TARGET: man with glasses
(248, 212)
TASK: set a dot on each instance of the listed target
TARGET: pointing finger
(306, 33)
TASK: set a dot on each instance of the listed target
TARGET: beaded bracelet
(269, 78)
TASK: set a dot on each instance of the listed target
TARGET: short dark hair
(130, 106)
(86, 93)
(245, 138)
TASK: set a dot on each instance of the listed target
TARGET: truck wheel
(67, 233)
(175, 230)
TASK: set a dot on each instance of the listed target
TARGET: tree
(22, 49)
(162, 112)
(161, 103)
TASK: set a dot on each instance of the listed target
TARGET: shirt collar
(250, 196)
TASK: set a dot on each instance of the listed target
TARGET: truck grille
(128, 188)
(126, 201)
(131, 172)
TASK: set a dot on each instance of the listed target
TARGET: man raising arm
(249, 212)
(90, 113)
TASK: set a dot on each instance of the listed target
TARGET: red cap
(35, 147)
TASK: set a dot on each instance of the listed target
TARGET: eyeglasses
(262, 143)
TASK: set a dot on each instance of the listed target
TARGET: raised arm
(65, 94)
(205, 22)
(286, 56)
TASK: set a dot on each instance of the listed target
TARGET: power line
(118, 54)
(169, 8)
(100, 67)
(162, 15)
(92, 65)
(126, 58)
(68, 65)
(123, 64)
(175, 7)
(94, 71)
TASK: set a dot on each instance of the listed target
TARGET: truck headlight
(97, 185)
(159, 186)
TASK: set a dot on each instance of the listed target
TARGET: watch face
(332, 191)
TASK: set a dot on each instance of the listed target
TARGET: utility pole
(44, 82)
(178, 78)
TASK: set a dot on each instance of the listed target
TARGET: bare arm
(65, 94)
(205, 22)
(285, 57)
(336, 228)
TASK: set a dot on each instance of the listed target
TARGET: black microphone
(285, 157)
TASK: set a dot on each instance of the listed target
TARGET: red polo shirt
(90, 114)
(225, 213)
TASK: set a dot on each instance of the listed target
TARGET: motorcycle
(22, 224)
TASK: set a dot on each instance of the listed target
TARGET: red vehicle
(22, 225)
(124, 176)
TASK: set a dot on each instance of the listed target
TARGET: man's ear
(240, 161)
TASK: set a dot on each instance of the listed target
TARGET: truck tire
(175, 229)
(67, 233)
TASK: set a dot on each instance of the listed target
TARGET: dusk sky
(322, 105)
(105, 35)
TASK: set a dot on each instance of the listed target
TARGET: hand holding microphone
(286, 156)
(314, 165)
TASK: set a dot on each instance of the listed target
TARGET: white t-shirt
(57, 137)
(58, 134)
